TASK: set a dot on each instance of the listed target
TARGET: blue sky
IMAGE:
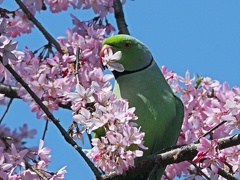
(200, 36)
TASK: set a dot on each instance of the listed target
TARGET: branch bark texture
(120, 19)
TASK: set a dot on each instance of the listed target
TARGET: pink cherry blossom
(110, 60)
(27, 133)
(207, 146)
(6, 51)
(37, 3)
(213, 163)
(3, 166)
(81, 96)
(60, 174)
(16, 157)
(43, 152)
(107, 8)
(21, 24)
(77, 4)
(28, 175)
(4, 29)
(109, 28)
(57, 5)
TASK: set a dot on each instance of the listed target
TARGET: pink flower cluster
(20, 24)
(208, 103)
(15, 159)
(17, 23)
(120, 140)
(101, 7)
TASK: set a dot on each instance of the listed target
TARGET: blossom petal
(116, 56)
(116, 66)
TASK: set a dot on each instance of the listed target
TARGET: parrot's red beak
(102, 54)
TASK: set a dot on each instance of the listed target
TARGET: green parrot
(160, 112)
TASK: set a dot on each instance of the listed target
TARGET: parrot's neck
(118, 74)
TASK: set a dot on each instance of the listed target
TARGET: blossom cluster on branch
(211, 112)
(75, 78)
(14, 156)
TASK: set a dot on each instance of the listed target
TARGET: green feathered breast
(159, 111)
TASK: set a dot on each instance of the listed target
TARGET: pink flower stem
(211, 130)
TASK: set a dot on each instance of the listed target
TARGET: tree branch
(8, 106)
(119, 16)
(53, 119)
(9, 91)
(226, 175)
(229, 141)
(175, 155)
(39, 26)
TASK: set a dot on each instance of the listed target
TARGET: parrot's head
(135, 55)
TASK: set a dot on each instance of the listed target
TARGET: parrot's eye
(127, 45)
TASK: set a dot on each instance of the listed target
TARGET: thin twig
(77, 65)
(221, 172)
(53, 119)
(8, 106)
(226, 175)
(90, 140)
(119, 16)
(211, 130)
(45, 130)
(152, 172)
(199, 170)
(39, 26)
